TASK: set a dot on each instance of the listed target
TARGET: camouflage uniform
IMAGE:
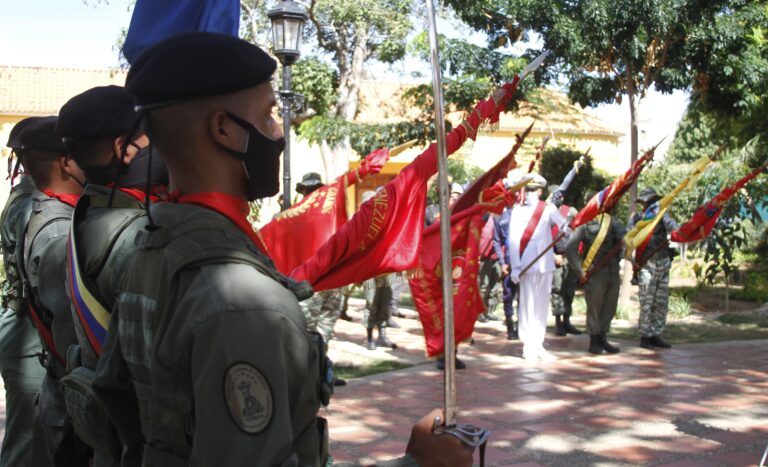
(490, 284)
(322, 311)
(24, 441)
(564, 287)
(378, 302)
(653, 279)
(45, 262)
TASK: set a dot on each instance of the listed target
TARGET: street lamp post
(288, 19)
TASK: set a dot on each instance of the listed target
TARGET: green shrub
(755, 287)
(679, 306)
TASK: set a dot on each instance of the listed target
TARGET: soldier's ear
(223, 130)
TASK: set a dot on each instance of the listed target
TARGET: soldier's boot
(489, 316)
(596, 345)
(370, 345)
(569, 328)
(382, 340)
(560, 326)
(511, 329)
(391, 323)
(657, 341)
(646, 343)
(607, 345)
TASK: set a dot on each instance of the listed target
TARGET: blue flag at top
(156, 20)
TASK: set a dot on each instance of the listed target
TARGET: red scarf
(156, 193)
(66, 198)
(233, 208)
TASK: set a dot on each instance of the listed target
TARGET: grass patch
(374, 367)
(744, 321)
(689, 333)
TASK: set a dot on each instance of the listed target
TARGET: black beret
(197, 64)
(13, 139)
(41, 134)
(97, 113)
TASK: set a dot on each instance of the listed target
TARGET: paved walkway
(693, 405)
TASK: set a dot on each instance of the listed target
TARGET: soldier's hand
(431, 450)
(558, 260)
(583, 279)
(505, 270)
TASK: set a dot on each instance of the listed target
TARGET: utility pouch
(88, 414)
(325, 383)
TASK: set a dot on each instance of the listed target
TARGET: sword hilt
(470, 435)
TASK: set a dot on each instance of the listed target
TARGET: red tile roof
(28, 90)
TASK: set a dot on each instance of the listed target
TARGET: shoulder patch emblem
(248, 397)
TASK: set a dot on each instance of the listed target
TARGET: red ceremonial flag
(498, 172)
(298, 232)
(426, 284)
(608, 197)
(385, 234)
(705, 217)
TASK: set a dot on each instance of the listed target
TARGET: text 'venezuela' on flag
(297, 233)
(156, 20)
(426, 281)
(704, 219)
(385, 234)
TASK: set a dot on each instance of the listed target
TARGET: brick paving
(692, 405)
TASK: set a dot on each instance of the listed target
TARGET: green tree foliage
(694, 137)
(318, 82)
(608, 49)
(558, 161)
(730, 58)
(470, 73)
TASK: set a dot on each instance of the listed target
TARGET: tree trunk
(634, 103)
(351, 73)
(727, 295)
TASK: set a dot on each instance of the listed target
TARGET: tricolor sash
(605, 224)
(89, 307)
(532, 223)
(93, 315)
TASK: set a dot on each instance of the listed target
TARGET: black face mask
(105, 174)
(136, 176)
(261, 160)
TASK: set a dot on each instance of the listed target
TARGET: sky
(76, 34)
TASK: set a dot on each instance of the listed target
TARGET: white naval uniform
(536, 284)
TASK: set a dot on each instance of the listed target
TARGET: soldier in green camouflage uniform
(24, 441)
(43, 264)
(322, 311)
(378, 306)
(653, 276)
(206, 331)
(564, 282)
(601, 290)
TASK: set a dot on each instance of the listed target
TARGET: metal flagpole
(445, 224)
